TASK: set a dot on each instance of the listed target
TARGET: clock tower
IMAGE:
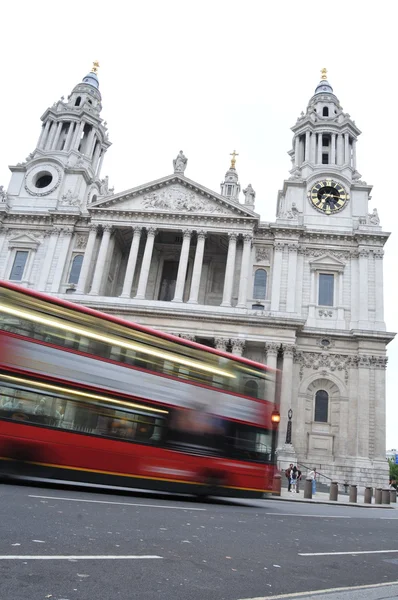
(324, 190)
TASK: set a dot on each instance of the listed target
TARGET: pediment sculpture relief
(176, 199)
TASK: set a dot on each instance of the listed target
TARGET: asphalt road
(70, 544)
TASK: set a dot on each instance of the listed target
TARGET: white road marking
(119, 503)
(310, 516)
(348, 553)
(78, 557)
(326, 591)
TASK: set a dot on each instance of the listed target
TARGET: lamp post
(289, 427)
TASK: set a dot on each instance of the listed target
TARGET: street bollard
(393, 496)
(334, 491)
(378, 496)
(353, 493)
(308, 489)
(368, 495)
(277, 484)
(385, 496)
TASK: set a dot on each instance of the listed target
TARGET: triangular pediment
(327, 261)
(174, 194)
(23, 240)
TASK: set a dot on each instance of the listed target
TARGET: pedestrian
(312, 476)
(288, 476)
(293, 479)
(298, 478)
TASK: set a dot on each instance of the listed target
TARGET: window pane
(326, 289)
(19, 265)
(76, 268)
(321, 406)
(260, 284)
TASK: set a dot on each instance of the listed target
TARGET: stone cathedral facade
(303, 293)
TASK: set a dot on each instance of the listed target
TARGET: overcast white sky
(209, 77)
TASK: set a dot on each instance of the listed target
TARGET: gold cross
(95, 67)
(233, 159)
(324, 71)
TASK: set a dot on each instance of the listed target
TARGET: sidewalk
(323, 498)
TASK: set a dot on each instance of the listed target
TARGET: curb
(330, 502)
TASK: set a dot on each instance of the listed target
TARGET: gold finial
(324, 71)
(95, 67)
(233, 159)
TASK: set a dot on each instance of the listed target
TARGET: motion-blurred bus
(88, 397)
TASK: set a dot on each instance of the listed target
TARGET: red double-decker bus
(88, 397)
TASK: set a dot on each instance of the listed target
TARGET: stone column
(197, 267)
(313, 148)
(244, 271)
(51, 134)
(182, 267)
(56, 137)
(69, 135)
(43, 137)
(131, 263)
(292, 269)
(64, 242)
(286, 391)
(378, 258)
(100, 265)
(3, 237)
(77, 138)
(146, 263)
(320, 142)
(346, 149)
(46, 267)
(297, 151)
(354, 154)
(333, 150)
(221, 344)
(363, 406)
(96, 155)
(340, 152)
(307, 146)
(380, 408)
(364, 287)
(276, 273)
(229, 270)
(238, 346)
(90, 143)
(101, 160)
(272, 356)
(88, 256)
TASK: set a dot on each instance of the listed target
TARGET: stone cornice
(174, 313)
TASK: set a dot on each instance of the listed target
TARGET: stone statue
(180, 163)
(104, 186)
(250, 194)
(3, 194)
(374, 217)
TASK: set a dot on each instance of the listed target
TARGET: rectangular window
(326, 289)
(229, 190)
(325, 159)
(18, 267)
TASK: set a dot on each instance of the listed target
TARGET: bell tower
(230, 187)
(64, 168)
(324, 188)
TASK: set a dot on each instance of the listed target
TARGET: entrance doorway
(168, 281)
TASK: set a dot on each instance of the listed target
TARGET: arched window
(78, 100)
(260, 284)
(321, 406)
(251, 389)
(94, 198)
(325, 111)
(75, 269)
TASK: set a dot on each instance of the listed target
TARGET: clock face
(328, 196)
